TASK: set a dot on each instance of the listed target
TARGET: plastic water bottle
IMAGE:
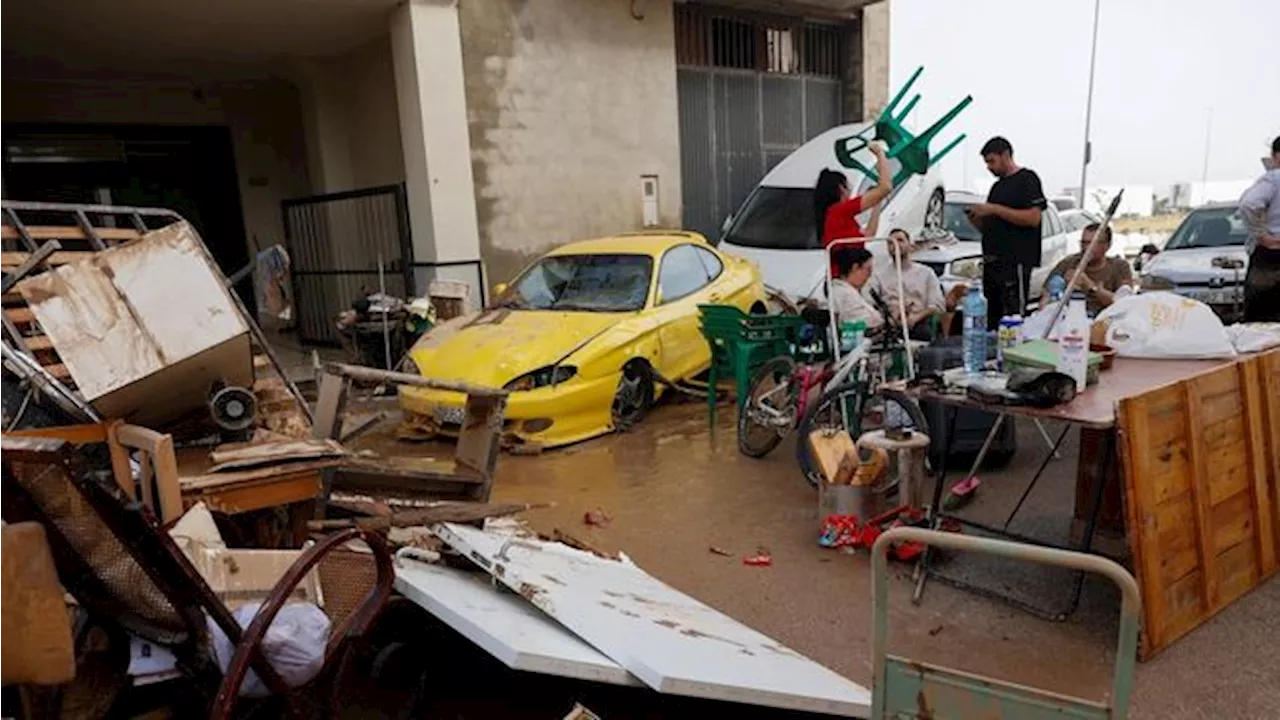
(1073, 343)
(1007, 336)
(1057, 286)
(974, 309)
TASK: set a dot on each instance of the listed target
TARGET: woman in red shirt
(836, 213)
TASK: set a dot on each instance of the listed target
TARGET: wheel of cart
(906, 688)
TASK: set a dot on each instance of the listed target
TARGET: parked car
(961, 262)
(1204, 259)
(585, 339)
(775, 225)
(1074, 222)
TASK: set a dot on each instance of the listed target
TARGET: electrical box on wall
(649, 199)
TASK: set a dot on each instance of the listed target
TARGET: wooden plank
(331, 399)
(1178, 555)
(20, 315)
(38, 343)
(1233, 522)
(74, 434)
(669, 640)
(1271, 430)
(1255, 476)
(1200, 495)
(1239, 566)
(504, 625)
(247, 455)
(298, 487)
(1231, 472)
(10, 259)
(253, 477)
(61, 232)
(1144, 530)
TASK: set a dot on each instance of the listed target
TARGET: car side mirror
(500, 289)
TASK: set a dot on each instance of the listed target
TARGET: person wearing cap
(1260, 210)
(1103, 275)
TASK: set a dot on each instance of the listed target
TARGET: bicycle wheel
(851, 408)
(770, 409)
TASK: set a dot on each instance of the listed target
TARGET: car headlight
(542, 377)
(408, 366)
(1156, 282)
(968, 268)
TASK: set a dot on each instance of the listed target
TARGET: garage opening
(752, 88)
(187, 169)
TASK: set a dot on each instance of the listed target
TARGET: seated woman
(853, 271)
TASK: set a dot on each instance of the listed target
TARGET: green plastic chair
(911, 151)
(740, 343)
(910, 688)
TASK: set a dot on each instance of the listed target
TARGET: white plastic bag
(294, 644)
(1165, 325)
(1254, 337)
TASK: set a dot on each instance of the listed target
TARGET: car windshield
(1213, 227)
(775, 218)
(594, 283)
(957, 223)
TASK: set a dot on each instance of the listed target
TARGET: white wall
(570, 102)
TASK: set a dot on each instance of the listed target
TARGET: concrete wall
(569, 103)
(875, 58)
(263, 117)
(350, 119)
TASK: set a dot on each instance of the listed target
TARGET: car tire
(933, 211)
(634, 396)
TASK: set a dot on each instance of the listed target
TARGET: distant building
(1138, 201)
(1187, 195)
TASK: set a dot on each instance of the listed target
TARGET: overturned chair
(126, 572)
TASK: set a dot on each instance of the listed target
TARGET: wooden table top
(1096, 406)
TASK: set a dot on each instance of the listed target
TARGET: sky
(1170, 73)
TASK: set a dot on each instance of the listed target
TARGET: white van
(775, 225)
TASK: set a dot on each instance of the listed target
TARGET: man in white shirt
(920, 286)
(853, 270)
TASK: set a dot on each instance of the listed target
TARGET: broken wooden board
(503, 624)
(672, 642)
(237, 456)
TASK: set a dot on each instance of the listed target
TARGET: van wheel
(933, 211)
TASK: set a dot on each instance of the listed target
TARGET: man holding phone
(1010, 224)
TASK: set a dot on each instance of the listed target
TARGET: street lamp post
(1088, 108)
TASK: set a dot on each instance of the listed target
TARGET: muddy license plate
(449, 415)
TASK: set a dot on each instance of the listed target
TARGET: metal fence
(335, 244)
(752, 88)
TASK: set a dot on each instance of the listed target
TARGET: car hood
(947, 253)
(500, 345)
(1195, 265)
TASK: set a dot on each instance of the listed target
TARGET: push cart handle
(1130, 609)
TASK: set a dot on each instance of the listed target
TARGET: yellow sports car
(586, 338)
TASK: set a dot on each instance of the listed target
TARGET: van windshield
(775, 218)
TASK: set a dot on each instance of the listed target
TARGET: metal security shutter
(751, 89)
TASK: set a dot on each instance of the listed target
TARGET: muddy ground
(672, 490)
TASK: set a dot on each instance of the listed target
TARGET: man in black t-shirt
(1010, 225)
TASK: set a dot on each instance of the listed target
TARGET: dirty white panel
(672, 642)
(175, 291)
(503, 624)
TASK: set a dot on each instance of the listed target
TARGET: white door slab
(503, 624)
(672, 642)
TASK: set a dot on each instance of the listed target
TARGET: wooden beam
(366, 374)
(65, 232)
(15, 258)
(32, 261)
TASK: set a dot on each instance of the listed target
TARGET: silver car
(1205, 260)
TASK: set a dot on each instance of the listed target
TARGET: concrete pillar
(875, 59)
(426, 49)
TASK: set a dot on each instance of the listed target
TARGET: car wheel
(634, 396)
(933, 211)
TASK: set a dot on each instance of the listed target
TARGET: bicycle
(850, 399)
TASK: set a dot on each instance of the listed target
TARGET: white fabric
(294, 645)
(1165, 325)
(850, 305)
